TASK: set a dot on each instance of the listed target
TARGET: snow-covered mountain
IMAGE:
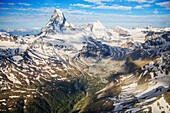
(146, 90)
(153, 47)
(57, 24)
(96, 30)
(62, 50)
(65, 65)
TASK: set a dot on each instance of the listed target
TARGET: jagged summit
(97, 30)
(57, 23)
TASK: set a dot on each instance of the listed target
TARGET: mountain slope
(146, 90)
(84, 69)
(153, 48)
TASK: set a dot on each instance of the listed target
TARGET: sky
(34, 14)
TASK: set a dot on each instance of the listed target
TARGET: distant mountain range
(22, 31)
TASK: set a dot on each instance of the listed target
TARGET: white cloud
(51, 9)
(4, 8)
(142, 1)
(155, 11)
(19, 3)
(24, 4)
(79, 17)
(10, 3)
(81, 5)
(139, 1)
(36, 28)
(42, 9)
(141, 6)
(115, 7)
(98, 1)
(138, 7)
(111, 20)
(164, 4)
(67, 11)
(146, 5)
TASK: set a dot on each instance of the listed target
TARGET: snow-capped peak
(58, 13)
(99, 25)
(97, 30)
(57, 23)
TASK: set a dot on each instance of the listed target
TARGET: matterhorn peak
(57, 23)
(58, 13)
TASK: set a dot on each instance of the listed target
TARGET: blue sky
(125, 13)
